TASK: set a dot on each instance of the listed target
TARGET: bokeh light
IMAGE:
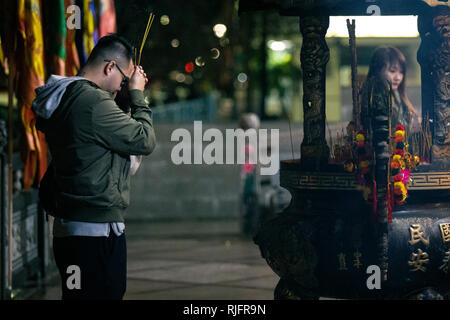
(277, 45)
(242, 77)
(173, 75)
(165, 20)
(199, 61)
(189, 67)
(188, 79)
(181, 92)
(180, 77)
(220, 30)
(215, 53)
(224, 42)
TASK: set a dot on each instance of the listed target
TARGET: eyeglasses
(125, 78)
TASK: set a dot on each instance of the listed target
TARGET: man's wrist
(137, 98)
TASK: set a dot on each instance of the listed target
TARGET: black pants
(100, 262)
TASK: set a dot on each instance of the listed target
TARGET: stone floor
(185, 260)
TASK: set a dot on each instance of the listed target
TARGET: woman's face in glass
(394, 74)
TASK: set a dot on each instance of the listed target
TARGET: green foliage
(284, 68)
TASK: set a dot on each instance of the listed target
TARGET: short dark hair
(112, 46)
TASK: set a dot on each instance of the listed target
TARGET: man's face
(115, 74)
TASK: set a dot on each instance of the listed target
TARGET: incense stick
(144, 38)
(351, 27)
(290, 132)
(151, 17)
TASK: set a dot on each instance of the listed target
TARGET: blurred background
(251, 63)
(206, 62)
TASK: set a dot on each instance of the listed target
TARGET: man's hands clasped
(138, 79)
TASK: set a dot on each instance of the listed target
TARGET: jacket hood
(49, 95)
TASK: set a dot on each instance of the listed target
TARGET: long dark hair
(383, 58)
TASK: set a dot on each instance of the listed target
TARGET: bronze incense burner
(328, 243)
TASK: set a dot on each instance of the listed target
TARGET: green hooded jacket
(90, 140)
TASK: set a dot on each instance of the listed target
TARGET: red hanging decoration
(389, 202)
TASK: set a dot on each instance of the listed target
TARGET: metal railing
(204, 109)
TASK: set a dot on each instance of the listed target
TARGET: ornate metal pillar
(434, 59)
(314, 58)
(380, 107)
